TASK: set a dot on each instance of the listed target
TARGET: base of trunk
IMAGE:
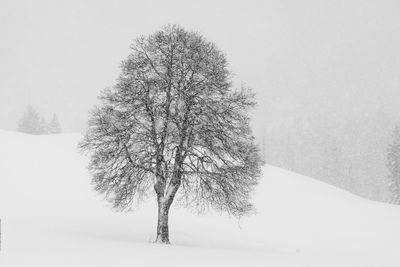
(162, 224)
(161, 240)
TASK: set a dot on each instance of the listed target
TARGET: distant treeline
(358, 151)
(32, 123)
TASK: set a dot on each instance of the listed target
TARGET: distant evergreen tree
(393, 164)
(54, 126)
(31, 122)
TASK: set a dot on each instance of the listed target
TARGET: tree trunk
(162, 223)
(164, 200)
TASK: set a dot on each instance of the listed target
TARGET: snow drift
(51, 217)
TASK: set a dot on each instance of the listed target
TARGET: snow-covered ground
(51, 217)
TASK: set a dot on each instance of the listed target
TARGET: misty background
(326, 73)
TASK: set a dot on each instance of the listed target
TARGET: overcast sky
(58, 55)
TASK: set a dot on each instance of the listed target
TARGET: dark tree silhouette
(393, 165)
(173, 122)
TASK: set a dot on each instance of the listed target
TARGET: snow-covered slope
(51, 217)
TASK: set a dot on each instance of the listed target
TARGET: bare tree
(173, 122)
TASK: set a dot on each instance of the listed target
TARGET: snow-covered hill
(51, 217)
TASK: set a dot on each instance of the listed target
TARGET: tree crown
(174, 121)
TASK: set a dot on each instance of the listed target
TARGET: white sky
(58, 55)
